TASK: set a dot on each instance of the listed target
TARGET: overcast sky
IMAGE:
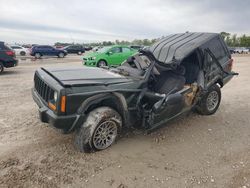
(48, 21)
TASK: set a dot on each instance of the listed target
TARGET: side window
(49, 48)
(116, 50)
(124, 49)
(218, 50)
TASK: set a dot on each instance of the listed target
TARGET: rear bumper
(227, 79)
(67, 123)
(10, 63)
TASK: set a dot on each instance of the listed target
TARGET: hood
(92, 54)
(78, 76)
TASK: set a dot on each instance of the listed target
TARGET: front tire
(38, 55)
(102, 63)
(210, 102)
(79, 53)
(99, 131)
(1, 67)
(22, 53)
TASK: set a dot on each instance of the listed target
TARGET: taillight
(230, 64)
(10, 53)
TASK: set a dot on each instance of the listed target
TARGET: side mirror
(109, 53)
(169, 100)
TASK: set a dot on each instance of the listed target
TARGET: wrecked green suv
(178, 73)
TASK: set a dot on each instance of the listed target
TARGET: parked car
(136, 47)
(19, 50)
(108, 56)
(43, 50)
(241, 50)
(231, 50)
(87, 48)
(95, 49)
(27, 46)
(178, 73)
(7, 57)
(74, 49)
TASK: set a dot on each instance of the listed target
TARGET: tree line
(139, 42)
(233, 40)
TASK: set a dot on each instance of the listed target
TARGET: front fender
(114, 98)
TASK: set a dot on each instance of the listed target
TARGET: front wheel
(210, 102)
(1, 67)
(22, 53)
(102, 63)
(38, 55)
(99, 131)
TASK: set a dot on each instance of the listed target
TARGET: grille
(43, 89)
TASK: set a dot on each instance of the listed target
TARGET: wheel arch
(102, 59)
(113, 100)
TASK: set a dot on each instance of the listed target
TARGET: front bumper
(67, 123)
(90, 63)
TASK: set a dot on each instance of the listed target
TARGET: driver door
(166, 109)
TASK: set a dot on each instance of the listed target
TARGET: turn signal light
(63, 104)
(52, 106)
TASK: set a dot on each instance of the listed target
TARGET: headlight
(55, 96)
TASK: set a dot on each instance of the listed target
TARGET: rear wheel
(38, 55)
(102, 63)
(79, 53)
(61, 55)
(210, 102)
(1, 67)
(99, 131)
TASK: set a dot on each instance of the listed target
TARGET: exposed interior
(165, 81)
(172, 81)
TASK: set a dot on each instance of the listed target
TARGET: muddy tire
(99, 131)
(1, 67)
(210, 102)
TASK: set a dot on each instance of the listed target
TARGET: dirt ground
(192, 151)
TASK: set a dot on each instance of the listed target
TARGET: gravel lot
(193, 151)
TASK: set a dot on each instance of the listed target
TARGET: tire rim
(212, 100)
(37, 55)
(102, 64)
(105, 135)
(61, 55)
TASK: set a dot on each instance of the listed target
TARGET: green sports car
(108, 56)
